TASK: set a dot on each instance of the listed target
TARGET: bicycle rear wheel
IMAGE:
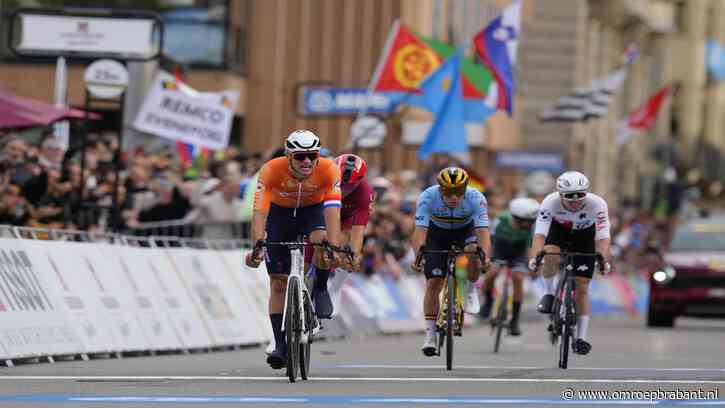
(450, 320)
(292, 328)
(566, 325)
(501, 318)
(306, 349)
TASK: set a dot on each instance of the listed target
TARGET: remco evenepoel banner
(175, 111)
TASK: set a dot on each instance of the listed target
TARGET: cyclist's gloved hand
(256, 255)
(532, 265)
(252, 261)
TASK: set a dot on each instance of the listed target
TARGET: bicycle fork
(296, 266)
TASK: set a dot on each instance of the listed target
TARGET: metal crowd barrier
(185, 229)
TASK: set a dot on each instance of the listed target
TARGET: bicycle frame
(501, 309)
(297, 266)
(563, 312)
(449, 324)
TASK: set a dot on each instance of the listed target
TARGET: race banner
(177, 112)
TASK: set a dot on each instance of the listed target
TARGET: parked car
(691, 279)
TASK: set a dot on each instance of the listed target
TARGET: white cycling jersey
(593, 212)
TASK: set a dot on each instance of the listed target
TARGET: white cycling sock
(430, 327)
(582, 325)
(549, 285)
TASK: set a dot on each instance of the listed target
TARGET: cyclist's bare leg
(487, 290)
(322, 264)
(551, 267)
(518, 282)
(473, 268)
(474, 264)
(323, 303)
(582, 306)
(278, 287)
(431, 302)
(518, 279)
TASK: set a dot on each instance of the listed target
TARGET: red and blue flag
(497, 46)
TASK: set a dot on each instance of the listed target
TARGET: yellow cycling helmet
(453, 180)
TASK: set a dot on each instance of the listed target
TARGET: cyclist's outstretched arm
(418, 238)
(332, 223)
(483, 235)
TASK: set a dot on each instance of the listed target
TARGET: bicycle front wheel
(566, 326)
(501, 319)
(292, 328)
(450, 320)
(306, 349)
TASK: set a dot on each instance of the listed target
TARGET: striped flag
(588, 103)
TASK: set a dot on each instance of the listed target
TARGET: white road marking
(476, 367)
(352, 379)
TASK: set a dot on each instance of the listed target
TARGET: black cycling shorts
(570, 240)
(286, 225)
(442, 239)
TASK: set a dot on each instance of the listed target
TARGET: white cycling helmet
(524, 208)
(302, 141)
(572, 182)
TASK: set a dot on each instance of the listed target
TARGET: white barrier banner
(145, 305)
(185, 316)
(78, 299)
(96, 281)
(254, 285)
(215, 294)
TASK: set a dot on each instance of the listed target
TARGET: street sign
(368, 132)
(106, 79)
(327, 100)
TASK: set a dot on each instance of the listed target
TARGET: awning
(19, 112)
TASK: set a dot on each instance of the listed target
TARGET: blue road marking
(331, 400)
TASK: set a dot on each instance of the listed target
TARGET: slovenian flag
(497, 45)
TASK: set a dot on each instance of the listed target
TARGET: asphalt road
(391, 371)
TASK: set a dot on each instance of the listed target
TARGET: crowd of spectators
(41, 187)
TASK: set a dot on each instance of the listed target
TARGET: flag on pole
(586, 103)
(593, 101)
(642, 118)
(444, 98)
(408, 59)
(497, 46)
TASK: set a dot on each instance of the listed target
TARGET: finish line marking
(338, 400)
(351, 379)
(477, 367)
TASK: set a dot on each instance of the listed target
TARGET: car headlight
(664, 275)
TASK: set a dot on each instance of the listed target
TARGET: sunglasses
(453, 193)
(302, 156)
(574, 196)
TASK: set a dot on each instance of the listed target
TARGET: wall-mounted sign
(86, 33)
(106, 79)
(325, 100)
(523, 160)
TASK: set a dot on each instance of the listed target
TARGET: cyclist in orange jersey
(296, 194)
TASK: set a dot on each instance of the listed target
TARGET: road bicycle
(563, 311)
(299, 320)
(503, 306)
(449, 322)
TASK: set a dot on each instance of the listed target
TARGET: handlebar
(329, 248)
(599, 258)
(450, 252)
